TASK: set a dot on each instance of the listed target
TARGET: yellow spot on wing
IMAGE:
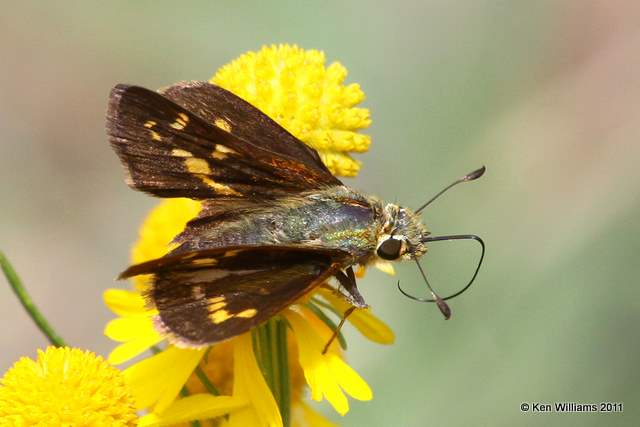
(150, 124)
(181, 121)
(216, 299)
(201, 168)
(221, 152)
(196, 165)
(247, 314)
(180, 153)
(232, 253)
(223, 124)
(220, 188)
(224, 149)
(220, 316)
(155, 135)
(217, 306)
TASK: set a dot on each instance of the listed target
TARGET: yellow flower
(65, 386)
(294, 88)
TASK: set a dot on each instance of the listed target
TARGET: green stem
(270, 344)
(283, 368)
(28, 304)
(206, 382)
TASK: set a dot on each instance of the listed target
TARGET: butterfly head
(405, 237)
(402, 236)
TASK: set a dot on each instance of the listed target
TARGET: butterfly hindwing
(170, 151)
(208, 296)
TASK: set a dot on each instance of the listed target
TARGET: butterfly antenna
(443, 306)
(468, 177)
(440, 302)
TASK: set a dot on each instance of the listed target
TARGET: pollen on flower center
(293, 87)
(65, 386)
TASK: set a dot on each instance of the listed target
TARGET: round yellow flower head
(293, 87)
(65, 386)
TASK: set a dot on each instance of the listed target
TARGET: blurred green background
(545, 93)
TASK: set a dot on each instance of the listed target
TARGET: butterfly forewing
(208, 296)
(171, 151)
(233, 114)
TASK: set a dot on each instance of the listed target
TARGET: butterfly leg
(348, 282)
(337, 331)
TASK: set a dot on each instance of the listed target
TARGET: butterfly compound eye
(390, 249)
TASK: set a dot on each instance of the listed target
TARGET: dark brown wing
(208, 296)
(215, 104)
(170, 151)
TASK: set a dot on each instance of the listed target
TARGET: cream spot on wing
(180, 153)
(220, 188)
(196, 165)
(247, 314)
(232, 253)
(223, 124)
(220, 316)
(184, 117)
(204, 261)
(149, 124)
(197, 292)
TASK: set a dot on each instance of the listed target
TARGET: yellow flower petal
(129, 328)
(304, 416)
(137, 334)
(385, 266)
(348, 379)
(249, 384)
(123, 302)
(157, 380)
(363, 319)
(361, 270)
(126, 351)
(327, 375)
(195, 407)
